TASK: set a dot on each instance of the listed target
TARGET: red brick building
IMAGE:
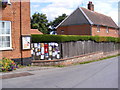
(88, 22)
(14, 30)
(35, 31)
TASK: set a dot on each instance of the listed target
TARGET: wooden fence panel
(84, 47)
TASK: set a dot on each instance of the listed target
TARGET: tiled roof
(85, 16)
(76, 18)
(99, 19)
(35, 31)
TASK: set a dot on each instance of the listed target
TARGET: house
(88, 22)
(35, 31)
(15, 31)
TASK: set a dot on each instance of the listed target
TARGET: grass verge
(99, 59)
(86, 62)
(61, 66)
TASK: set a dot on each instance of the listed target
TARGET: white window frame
(98, 28)
(62, 31)
(116, 31)
(7, 48)
(9, 2)
(107, 30)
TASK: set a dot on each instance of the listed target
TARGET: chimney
(90, 6)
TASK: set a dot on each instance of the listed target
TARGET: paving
(101, 74)
(27, 69)
(8, 76)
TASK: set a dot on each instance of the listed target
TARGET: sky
(55, 8)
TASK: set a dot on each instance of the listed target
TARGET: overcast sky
(54, 8)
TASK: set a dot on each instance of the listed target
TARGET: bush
(68, 38)
(0, 3)
(7, 65)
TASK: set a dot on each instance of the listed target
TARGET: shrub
(68, 38)
(7, 65)
(0, 3)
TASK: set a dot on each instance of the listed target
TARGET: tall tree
(57, 21)
(39, 21)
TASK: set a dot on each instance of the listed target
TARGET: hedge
(0, 3)
(67, 38)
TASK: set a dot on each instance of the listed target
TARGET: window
(5, 35)
(116, 31)
(8, 1)
(62, 31)
(107, 30)
(98, 28)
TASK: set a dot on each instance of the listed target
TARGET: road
(101, 74)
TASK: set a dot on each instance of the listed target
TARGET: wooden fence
(49, 51)
(70, 49)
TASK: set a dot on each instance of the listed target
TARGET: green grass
(99, 59)
(23, 66)
(59, 66)
(86, 62)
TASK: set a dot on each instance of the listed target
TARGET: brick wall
(112, 32)
(86, 30)
(74, 60)
(74, 30)
(12, 13)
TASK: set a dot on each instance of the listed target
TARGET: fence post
(61, 50)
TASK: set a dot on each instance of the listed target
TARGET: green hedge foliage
(67, 38)
(0, 3)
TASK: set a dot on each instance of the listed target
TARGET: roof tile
(99, 19)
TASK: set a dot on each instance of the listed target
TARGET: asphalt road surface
(101, 74)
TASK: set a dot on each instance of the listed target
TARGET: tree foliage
(0, 3)
(57, 21)
(39, 21)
